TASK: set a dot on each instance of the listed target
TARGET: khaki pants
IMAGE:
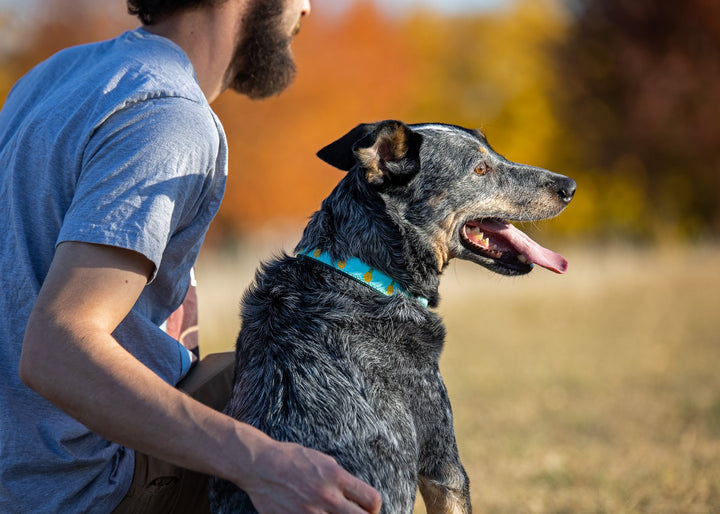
(162, 488)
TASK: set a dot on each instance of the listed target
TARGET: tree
(640, 88)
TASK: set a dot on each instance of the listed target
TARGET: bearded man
(112, 165)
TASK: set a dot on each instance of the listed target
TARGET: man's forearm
(90, 376)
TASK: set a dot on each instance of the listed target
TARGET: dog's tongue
(526, 246)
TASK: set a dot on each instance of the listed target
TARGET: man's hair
(151, 11)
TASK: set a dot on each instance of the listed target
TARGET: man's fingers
(364, 495)
(293, 478)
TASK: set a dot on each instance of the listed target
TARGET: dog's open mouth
(500, 240)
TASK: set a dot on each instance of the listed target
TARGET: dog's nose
(566, 189)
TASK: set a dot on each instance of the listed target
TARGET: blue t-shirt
(111, 143)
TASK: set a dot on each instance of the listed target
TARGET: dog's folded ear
(388, 151)
(340, 153)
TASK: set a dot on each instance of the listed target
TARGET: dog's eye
(481, 169)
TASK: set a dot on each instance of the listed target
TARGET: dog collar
(361, 272)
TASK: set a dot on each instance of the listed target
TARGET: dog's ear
(387, 151)
(390, 154)
(340, 153)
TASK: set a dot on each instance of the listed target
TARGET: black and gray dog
(339, 346)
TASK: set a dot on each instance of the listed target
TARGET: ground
(593, 392)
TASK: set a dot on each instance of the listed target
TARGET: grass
(593, 392)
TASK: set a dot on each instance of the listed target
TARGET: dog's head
(447, 184)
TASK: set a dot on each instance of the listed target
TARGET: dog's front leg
(442, 480)
(447, 495)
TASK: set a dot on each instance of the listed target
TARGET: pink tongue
(526, 246)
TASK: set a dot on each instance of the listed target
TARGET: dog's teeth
(523, 259)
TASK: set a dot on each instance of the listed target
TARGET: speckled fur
(329, 363)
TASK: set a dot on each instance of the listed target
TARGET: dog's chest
(417, 337)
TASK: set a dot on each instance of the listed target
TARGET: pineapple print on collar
(364, 274)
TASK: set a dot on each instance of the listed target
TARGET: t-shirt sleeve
(144, 172)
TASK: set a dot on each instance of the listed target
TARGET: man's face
(263, 64)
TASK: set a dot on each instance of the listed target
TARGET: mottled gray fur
(327, 362)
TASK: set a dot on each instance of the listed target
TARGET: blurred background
(596, 391)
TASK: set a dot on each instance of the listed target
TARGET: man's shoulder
(155, 65)
(140, 63)
(84, 87)
(133, 66)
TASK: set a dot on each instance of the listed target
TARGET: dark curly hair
(151, 11)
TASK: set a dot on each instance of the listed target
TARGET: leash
(366, 275)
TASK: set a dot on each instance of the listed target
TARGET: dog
(339, 345)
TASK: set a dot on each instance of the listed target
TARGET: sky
(447, 6)
(22, 9)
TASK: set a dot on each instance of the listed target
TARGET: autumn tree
(639, 85)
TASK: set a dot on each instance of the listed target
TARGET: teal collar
(361, 272)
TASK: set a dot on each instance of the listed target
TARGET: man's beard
(263, 64)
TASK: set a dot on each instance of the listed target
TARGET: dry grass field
(593, 392)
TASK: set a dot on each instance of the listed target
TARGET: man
(112, 165)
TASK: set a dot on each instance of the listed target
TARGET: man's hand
(292, 478)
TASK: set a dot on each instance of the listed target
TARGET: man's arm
(70, 357)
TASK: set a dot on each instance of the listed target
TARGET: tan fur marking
(441, 243)
(483, 150)
(541, 208)
(444, 236)
(391, 145)
(499, 206)
(368, 157)
(396, 144)
(436, 200)
(441, 500)
(442, 252)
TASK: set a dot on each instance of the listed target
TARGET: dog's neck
(355, 222)
(363, 274)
